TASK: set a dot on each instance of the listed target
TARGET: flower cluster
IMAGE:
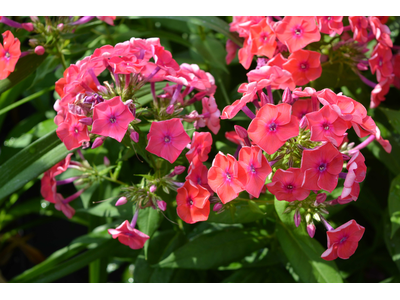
(279, 45)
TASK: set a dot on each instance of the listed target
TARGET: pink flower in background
(359, 27)
(343, 241)
(381, 62)
(129, 236)
(167, 139)
(381, 32)
(9, 54)
(111, 118)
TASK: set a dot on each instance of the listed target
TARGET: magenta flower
(111, 118)
(287, 185)
(321, 167)
(327, 126)
(167, 139)
(343, 241)
(129, 236)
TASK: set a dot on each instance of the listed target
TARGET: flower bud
(134, 136)
(297, 218)
(86, 121)
(217, 206)
(39, 50)
(287, 96)
(121, 201)
(170, 109)
(153, 188)
(35, 19)
(303, 123)
(60, 26)
(321, 198)
(28, 26)
(162, 205)
(98, 142)
(106, 161)
(177, 170)
(242, 132)
(311, 229)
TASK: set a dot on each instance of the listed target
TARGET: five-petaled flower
(129, 236)
(9, 54)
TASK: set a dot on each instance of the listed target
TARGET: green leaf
(393, 116)
(211, 50)
(25, 66)
(149, 220)
(244, 213)
(214, 249)
(392, 242)
(303, 252)
(394, 205)
(30, 162)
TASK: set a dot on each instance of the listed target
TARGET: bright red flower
(167, 139)
(321, 167)
(304, 65)
(193, 204)
(381, 62)
(343, 241)
(226, 177)
(359, 27)
(71, 132)
(287, 185)
(330, 25)
(297, 32)
(111, 118)
(273, 126)
(257, 168)
(9, 54)
(326, 125)
(129, 236)
(200, 147)
(263, 39)
(381, 32)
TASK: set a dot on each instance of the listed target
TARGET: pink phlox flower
(273, 126)
(111, 118)
(200, 147)
(245, 56)
(249, 91)
(241, 24)
(274, 76)
(71, 132)
(257, 167)
(359, 25)
(380, 91)
(301, 108)
(343, 241)
(167, 139)
(163, 59)
(326, 125)
(287, 185)
(10, 52)
(353, 193)
(381, 32)
(384, 143)
(307, 92)
(211, 114)
(234, 138)
(65, 208)
(129, 236)
(263, 39)
(297, 32)
(321, 167)
(357, 171)
(231, 49)
(278, 60)
(108, 19)
(197, 173)
(304, 65)
(226, 177)
(381, 62)
(330, 25)
(197, 78)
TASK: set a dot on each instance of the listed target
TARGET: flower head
(71, 132)
(9, 54)
(129, 236)
(263, 39)
(330, 25)
(287, 185)
(200, 147)
(343, 241)
(304, 65)
(167, 139)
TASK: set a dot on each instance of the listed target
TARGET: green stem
(61, 56)
(114, 180)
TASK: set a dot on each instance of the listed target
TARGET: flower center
(252, 169)
(290, 187)
(297, 31)
(228, 176)
(343, 239)
(264, 37)
(322, 167)
(113, 120)
(8, 55)
(167, 139)
(304, 66)
(76, 130)
(272, 127)
(328, 18)
(325, 126)
(380, 63)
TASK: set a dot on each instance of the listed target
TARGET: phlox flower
(381, 32)
(197, 173)
(234, 138)
(274, 76)
(245, 56)
(278, 60)
(9, 54)
(297, 32)
(287, 185)
(356, 173)
(71, 132)
(111, 118)
(301, 107)
(384, 143)
(263, 39)
(108, 19)
(242, 24)
(380, 91)
(359, 25)
(226, 177)
(273, 126)
(257, 168)
(343, 241)
(193, 205)
(326, 125)
(129, 236)
(330, 25)
(62, 205)
(249, 91)
(231, 49)
(381, 62)
(211, 114)
(304, 65)
(321, 167)
(167, 139)
(200, 147)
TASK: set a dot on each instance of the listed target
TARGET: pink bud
(153, 188)
(98, 142)
(39, 50)
(242, 132)
(297, 218)
(106, 161)
(311, 230)
(121, 201)
(263, 98)
(162, 205)
(34, 19)
(179, 170)
(85, 121)
(287, 96)
(321, 197)
(60, 26)
(303, 122)
(134, 136)
(28, 26)
(217, 206)
(170, 109)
